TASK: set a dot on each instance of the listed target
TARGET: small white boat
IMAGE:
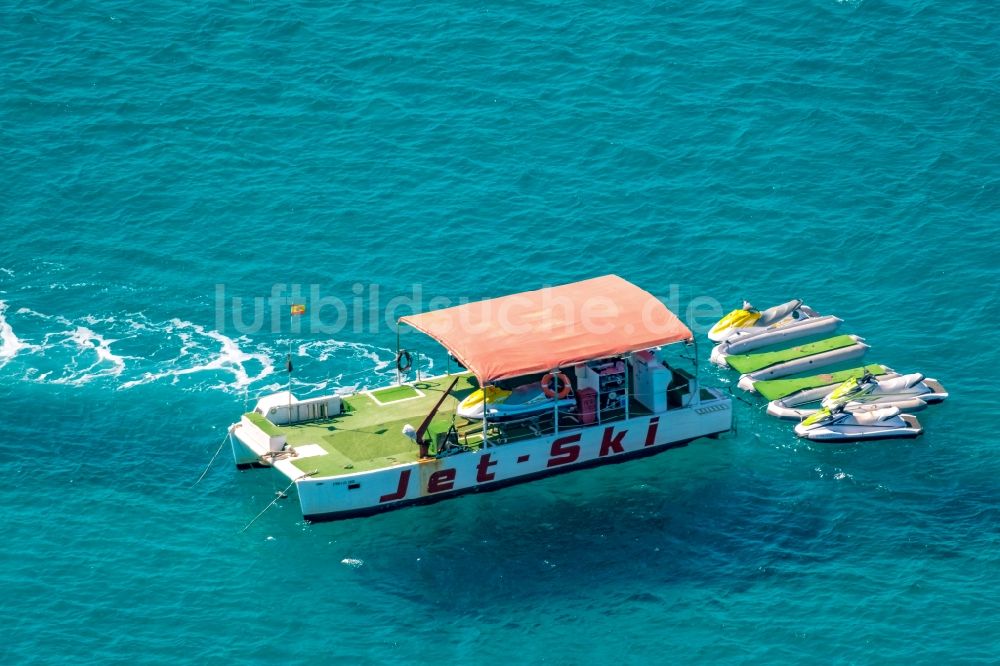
(872, 423)
(771, 365)
(747, 340)
(750, 319)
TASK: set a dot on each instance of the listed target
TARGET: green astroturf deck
(368, 435)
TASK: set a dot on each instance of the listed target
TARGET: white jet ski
(502, 405)
(749, 319)
(872, 422)
(909, 393)
(746, 340)
(869, 389)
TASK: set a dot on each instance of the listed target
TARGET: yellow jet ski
(748, 318)
(874, 422)
(475, 404)
(523, 402)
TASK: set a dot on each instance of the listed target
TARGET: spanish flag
(298, 310)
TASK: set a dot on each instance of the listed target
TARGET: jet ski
(749, 319)
(474, 404)
(911, 392)
(797, 405)
(871, 422)
(520, 403)
(749, 339)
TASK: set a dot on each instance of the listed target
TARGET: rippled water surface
(156, 154)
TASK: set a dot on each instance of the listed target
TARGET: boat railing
(420, 366)
(468, 434)
(465, 434)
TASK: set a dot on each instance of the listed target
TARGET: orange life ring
(561, 380)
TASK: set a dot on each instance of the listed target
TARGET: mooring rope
(743, 400)
(212, 461)
(277, 496)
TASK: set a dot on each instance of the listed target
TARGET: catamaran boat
(612, 392)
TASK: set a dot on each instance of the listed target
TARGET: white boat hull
(243, 455)
(429, 480)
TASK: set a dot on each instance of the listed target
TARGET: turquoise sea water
(842, 152)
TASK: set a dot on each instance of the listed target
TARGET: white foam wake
(10, 344)
(324, 350)
(231, 358)
(375, 358)
(108, 364)
(382, 360)
(129, 349)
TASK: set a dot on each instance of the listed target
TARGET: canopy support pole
(486, 410)
(399, 374)
(696, 389)
(628, 363)
(555, 404)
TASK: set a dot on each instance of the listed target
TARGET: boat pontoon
(803, 358)
(773, 389)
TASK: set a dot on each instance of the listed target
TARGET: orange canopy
(538, 331)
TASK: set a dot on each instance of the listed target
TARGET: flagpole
(296, 310)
